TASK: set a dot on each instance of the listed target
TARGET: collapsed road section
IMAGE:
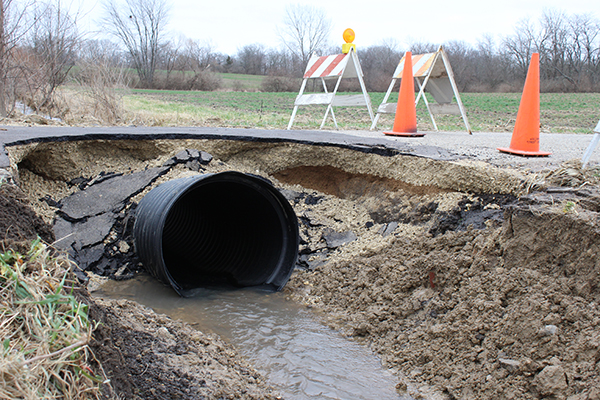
(474, 280)
(100, 183)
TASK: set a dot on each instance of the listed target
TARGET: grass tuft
(44, 329)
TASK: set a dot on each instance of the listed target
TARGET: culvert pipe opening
(228, 228)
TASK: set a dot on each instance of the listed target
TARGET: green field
(241, 81)
(487, 112)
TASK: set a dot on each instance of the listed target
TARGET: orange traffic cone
(405, 123)
(526, 135)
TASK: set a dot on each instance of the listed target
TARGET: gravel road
(483, 146)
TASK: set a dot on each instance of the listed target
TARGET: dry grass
(44, 329)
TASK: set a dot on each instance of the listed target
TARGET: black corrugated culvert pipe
(217, 229)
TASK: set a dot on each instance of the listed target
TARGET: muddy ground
(475, 282)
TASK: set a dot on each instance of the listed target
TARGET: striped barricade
(433, 73)
(327, 67)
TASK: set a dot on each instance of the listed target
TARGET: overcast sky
(232, 24)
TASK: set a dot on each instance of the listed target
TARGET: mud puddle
(299, 355)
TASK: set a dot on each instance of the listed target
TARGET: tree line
(569, 48)
(41, 48)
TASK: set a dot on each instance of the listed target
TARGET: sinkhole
(92, 193)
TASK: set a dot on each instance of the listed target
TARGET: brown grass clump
(43, 328)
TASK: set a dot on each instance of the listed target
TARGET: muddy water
(285, 342)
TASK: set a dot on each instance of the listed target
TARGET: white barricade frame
(338, 66)
(433, 73)
(591, 147)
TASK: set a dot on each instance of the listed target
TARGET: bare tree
(585, 52)
(3, 60)
(199, 59)
(305, 31)
(490, 65)
(168, 55)
(281, 62)
(570, 44)
(104, 49)
(196, 56)
(423, 47)
(522, 45)
(568, 47)
(14, 24)
(554, 39)
(462, 57)
(378, 64)
(139, 25)
(252, 59)
(102, 80)
(53, 42)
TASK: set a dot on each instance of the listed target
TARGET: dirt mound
(18, 222)
(504, 312)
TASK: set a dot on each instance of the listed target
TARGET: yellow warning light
(349, 35)
(348, 38)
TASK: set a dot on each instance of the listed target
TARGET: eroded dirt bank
(506, 312)
(143, 355)
(448, 270)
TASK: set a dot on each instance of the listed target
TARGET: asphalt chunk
(110, 195)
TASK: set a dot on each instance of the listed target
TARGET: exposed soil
(452, 272)
(18, 221)
(145, 355)
(501, 313)
(150, 356)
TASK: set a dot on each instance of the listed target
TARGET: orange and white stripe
(323, 67)
(421, 65)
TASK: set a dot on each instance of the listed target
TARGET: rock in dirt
(124, 247)
(5, 176)
(388, 229)
(551, 381)
(510, 365)
(312, 260)
(337, 239)
(292, 195)
(548, 330)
